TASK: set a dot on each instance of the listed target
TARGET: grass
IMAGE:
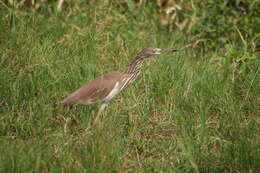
(194, 111)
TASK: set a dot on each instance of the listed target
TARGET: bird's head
(149, 51)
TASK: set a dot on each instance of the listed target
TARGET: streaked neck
(135, 65)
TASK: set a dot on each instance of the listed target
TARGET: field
(197, 110)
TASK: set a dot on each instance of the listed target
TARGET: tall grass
(193, 111)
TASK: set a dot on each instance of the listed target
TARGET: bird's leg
(102, 107)
(93, 124)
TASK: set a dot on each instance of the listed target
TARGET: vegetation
(193, 111)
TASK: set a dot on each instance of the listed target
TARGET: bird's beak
(168, 50)
(159, 51)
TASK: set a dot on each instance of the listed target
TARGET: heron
(105, 88)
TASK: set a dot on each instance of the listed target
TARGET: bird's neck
(135, 66)
(133, 70)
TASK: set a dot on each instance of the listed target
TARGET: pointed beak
(168, 50)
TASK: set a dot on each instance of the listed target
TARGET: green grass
(193, 111)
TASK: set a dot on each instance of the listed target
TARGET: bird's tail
(69, 101)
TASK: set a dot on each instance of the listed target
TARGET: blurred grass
(194, 111)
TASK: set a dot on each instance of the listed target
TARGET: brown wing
(94, 90)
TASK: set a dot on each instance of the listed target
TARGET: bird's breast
(129, 79)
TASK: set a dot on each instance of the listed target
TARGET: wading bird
(106, 87)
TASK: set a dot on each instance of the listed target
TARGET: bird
(105, 88)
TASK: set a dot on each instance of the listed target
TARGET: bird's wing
(94, 90)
